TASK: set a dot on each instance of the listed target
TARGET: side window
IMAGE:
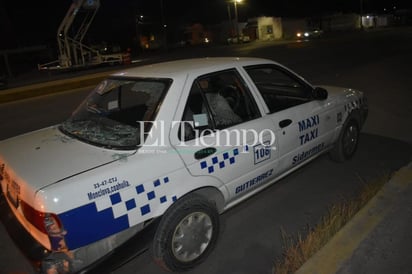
(279, 89)
(195, 115)
(217, 101)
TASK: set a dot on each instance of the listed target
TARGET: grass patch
(298, 250)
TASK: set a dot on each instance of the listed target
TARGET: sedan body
(168, 147)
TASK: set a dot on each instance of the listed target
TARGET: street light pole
(230, 19)
(361, 13)
(236, 20)
(163, 25)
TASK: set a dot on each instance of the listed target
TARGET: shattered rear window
(117, 111)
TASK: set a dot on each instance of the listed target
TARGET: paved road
(387, 248)
(251, 238)
(377, 62)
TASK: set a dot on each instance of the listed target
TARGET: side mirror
(319, 93)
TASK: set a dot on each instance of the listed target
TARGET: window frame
(306, 88)
(244, 90)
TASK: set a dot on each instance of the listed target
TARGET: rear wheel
(186, 234)
(347, 143)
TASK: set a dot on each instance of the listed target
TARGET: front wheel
(186, 234)
(347, 143)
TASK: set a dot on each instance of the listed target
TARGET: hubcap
(192, 236)
(350, 140)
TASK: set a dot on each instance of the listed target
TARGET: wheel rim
(350, 140)
(192, 236)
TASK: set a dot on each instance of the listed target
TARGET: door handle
(285, 123)
(205, 152)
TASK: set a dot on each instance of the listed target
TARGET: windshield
(114, 113)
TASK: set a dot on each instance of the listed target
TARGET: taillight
(43, 221)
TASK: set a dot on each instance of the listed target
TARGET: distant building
(264, 28)
(403, 17)
(339, 22)
(196, 34)
(376, 21)
(291, 26)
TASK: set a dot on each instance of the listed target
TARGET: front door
(223, 135)
(303, 124)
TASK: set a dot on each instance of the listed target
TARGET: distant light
(306, 34)
(165, 26)
(298, 34)
(367, 16)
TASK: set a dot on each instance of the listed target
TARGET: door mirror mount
(319, 93)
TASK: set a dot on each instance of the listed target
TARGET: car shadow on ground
(251, 240)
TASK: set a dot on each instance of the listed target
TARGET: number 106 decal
(261, 152)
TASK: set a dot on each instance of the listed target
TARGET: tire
(347, 143)
(186, 234)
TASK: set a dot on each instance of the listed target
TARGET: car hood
(40, 158)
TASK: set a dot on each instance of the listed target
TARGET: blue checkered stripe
(137, 202)
(221, 161)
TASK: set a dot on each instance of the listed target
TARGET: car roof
(177, 68)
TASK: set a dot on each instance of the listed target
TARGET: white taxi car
(155, 153)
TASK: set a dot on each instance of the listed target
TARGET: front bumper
(364, 114)
(42, 259)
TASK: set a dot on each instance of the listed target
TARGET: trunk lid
(47, 156)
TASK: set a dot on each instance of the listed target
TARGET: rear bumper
(33, 251)
(67, 262)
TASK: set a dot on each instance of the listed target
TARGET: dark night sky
(26, 23)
